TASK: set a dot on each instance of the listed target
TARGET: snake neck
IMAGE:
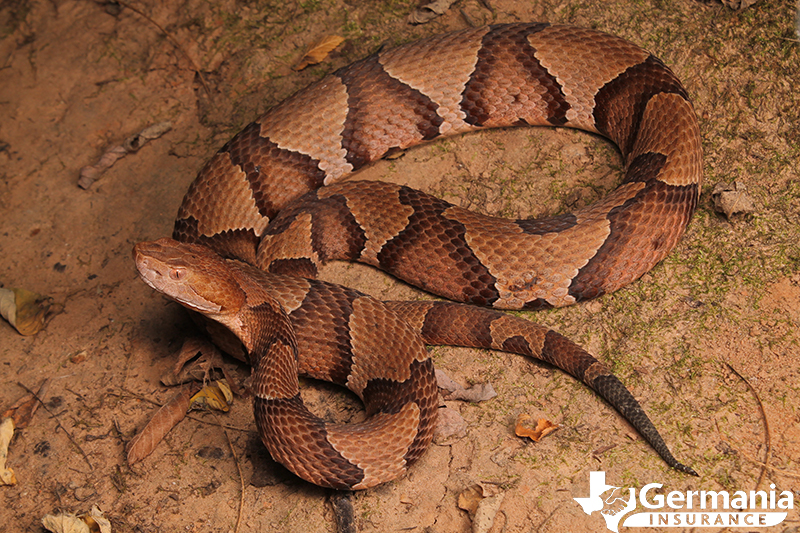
(269, 338)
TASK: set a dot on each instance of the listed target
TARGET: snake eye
(177, 274)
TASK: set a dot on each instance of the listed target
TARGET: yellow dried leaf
(96, 521)
(319, 51)
(213, 396)
(25, 310)
(543, 427)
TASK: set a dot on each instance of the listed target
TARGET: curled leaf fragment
(319, 51)
(471, 497)
(476, 393)
(22, 411)
(524, 427)
(90, 174)
(25, 310)
(429, 12)
(96, 521)
(6, 433)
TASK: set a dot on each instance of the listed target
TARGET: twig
(171, 39)
(241, 477)
(58, 422)
(767, 437)
(778, 471)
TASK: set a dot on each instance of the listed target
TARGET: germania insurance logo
(703, 508)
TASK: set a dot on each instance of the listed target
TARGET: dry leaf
(186, 370)
(25, 310)
(543, 427)
(208, 359)
(739, 5)
(469, 499)
(450, 427)
(65, 523)
(96, 521)
(483, 519)
(732, 199)
(93, 522)
(429, 11)
(162, 422)
(92, 173)
(23, 409)
(213, 396)
(319, 51)
(6, 433)
(477, 393)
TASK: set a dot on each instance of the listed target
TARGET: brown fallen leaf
(199, 360)
(470, 498)
(187, 368)
(22, 410)
(319, 51)
(484, 517)
(166, 418)
(25, 310)
(543, 427)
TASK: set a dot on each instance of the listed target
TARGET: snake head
(192, 275)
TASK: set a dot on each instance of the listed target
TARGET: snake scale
(269, 208)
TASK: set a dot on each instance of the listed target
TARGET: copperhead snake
(266, 211)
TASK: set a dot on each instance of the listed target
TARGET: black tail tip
(685, 469)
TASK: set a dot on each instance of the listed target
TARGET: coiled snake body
(268, 198)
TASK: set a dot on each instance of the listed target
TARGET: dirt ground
(78, 77)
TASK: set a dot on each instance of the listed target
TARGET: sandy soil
(78, 77)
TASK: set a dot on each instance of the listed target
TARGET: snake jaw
(192, 275)
(172, 281)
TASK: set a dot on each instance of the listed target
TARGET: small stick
(241, 477)
(66, 432)
(171, 39)
(767, 438)
(778, 471)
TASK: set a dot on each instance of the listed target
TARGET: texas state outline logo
(689, 509)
